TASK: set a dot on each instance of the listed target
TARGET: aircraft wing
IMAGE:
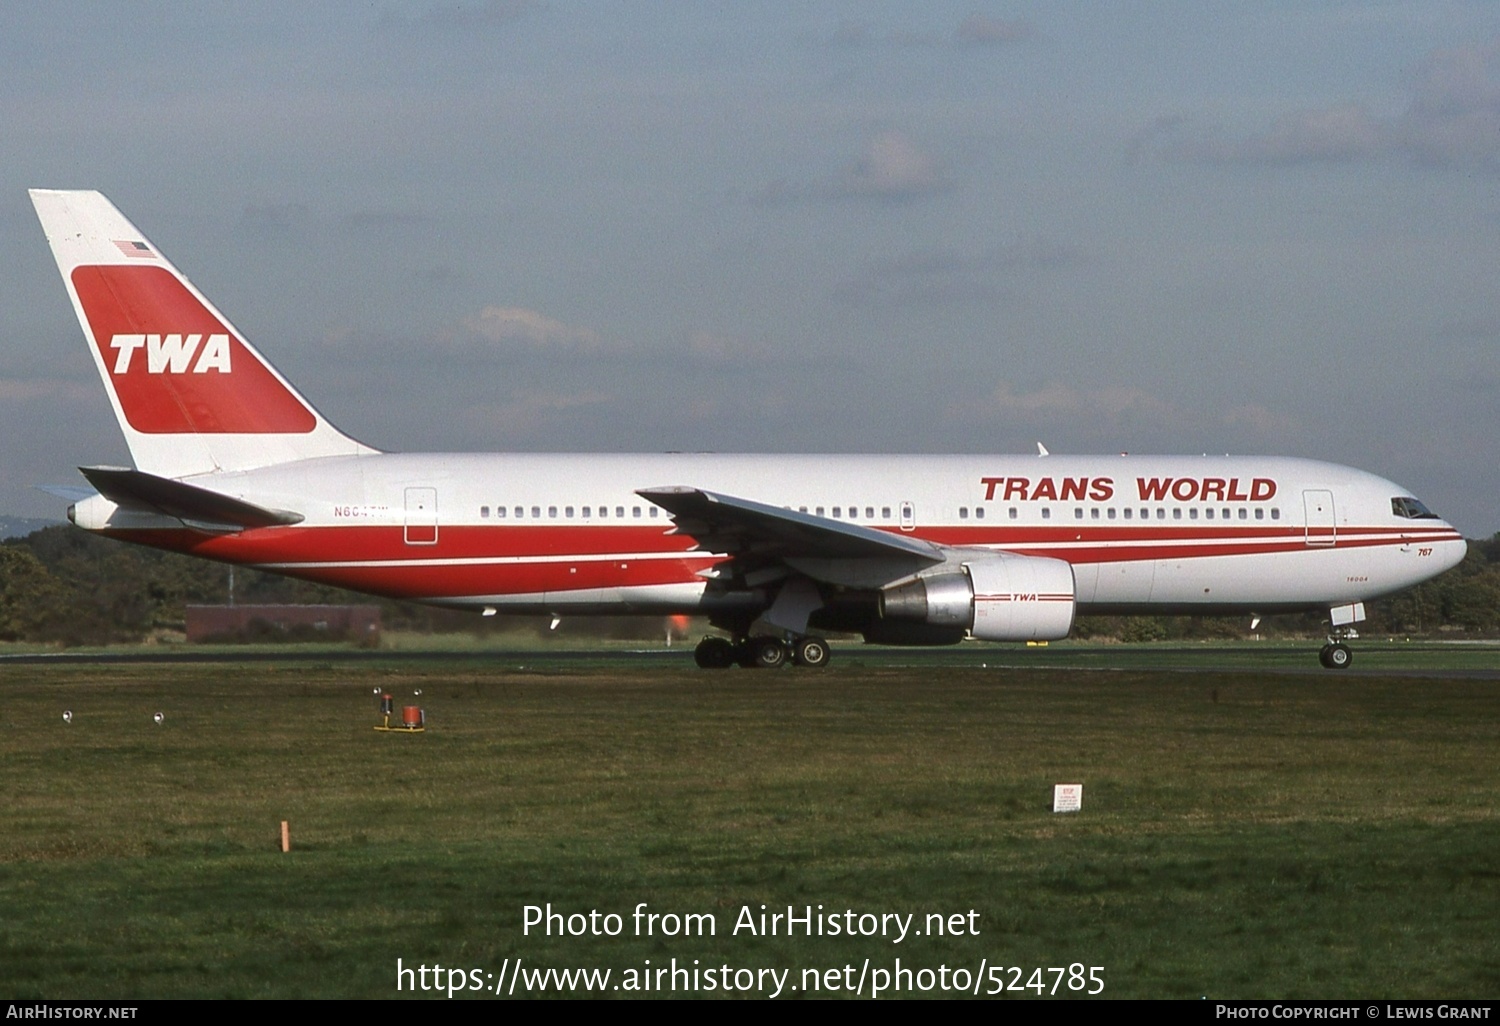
(756, 534)
(195, 506)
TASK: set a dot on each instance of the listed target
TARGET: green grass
(1243, 834)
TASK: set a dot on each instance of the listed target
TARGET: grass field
(1243, 834)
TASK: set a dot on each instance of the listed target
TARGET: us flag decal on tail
(135, 249)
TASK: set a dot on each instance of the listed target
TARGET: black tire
(714, 654)
(811, 651)
(1323, 657)
(1339, 656)
(768, 653)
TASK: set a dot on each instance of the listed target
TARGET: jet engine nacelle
(996, 597)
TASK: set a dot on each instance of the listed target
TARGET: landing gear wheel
(810, 651)
(1336, 656)
(714, 654)
(767, 653)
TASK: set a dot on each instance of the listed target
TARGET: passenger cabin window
(1046, 512)
(500, 512)
(978, 512)
(963, 512)
(484, 512)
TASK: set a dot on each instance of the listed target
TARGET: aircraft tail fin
(191, 395)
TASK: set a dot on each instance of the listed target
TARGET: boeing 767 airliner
(231, 463)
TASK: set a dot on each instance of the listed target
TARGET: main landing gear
(765, 652)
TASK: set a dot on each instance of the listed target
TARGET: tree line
(62, 585)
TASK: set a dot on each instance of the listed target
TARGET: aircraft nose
(1454, 553)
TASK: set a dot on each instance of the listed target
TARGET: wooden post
(286, 837)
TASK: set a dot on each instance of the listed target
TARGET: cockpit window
(1411, 509)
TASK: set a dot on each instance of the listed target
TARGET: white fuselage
(565, 533)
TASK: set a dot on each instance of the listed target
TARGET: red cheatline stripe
(287, 547)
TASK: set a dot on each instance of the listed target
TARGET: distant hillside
(20, 527)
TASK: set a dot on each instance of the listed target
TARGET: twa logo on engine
(172, 354)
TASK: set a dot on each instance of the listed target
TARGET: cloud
(531, 414)
(1111, 403)
(20, 389)
(1452, 119)
(1116, 409)
(520, 328)
(946, 275)
(852, 34)
(462, 17)
(977, 30)
(981, 30)
(382, 223)
(892, 167)
(274, 219)
(718, 348)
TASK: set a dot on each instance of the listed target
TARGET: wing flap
(726, 523)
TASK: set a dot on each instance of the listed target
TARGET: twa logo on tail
(171, 354)
(174, 365)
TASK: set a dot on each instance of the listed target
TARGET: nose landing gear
(1335, 655)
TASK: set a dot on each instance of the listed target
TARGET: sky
(768, 227)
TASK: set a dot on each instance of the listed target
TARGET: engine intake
(995, 598)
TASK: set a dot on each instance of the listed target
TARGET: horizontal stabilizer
(68, 493)
(135, 489)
